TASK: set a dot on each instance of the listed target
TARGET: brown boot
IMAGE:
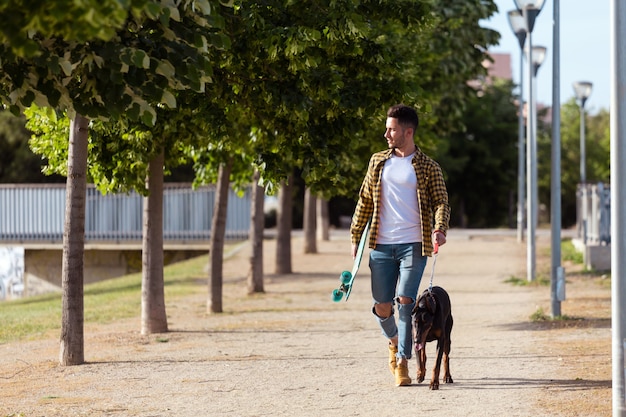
(402, 374)
(392, 358)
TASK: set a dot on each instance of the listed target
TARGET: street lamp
(518, 25)
(582, 89)
(530, 9)
(537, 56)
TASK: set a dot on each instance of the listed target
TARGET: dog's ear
(431, 303)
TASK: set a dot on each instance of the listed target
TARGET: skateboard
(346, 279)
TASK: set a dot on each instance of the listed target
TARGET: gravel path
(293, 352)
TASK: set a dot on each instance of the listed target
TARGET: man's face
(396, 135)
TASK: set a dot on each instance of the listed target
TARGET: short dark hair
(407, 116)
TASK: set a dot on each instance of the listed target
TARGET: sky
(585, 48)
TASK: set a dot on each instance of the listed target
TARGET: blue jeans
(396, 272)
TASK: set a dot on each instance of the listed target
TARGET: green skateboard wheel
(346, 276)
(337, 295)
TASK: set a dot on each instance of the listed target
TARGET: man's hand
(439, 238)
(353, 252)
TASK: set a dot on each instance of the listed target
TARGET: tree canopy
(160, 48)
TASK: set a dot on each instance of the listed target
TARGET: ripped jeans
(396, 272)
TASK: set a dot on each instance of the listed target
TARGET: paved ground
(293, 352)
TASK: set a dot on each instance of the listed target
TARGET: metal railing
(36, 213)
(593, 213)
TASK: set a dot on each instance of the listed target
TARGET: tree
(283, 227)
(314, 91)
(153, 316)
(323, 221)
(67, 19)
(309, 223)
(218, 228)
(255, 275)
(72, 351)
(597, 138)
(17, 163)
(481, 161)
(161, 49)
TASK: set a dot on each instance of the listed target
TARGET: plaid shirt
(432, 196)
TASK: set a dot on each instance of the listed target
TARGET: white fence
(593, 211)
(36, 213)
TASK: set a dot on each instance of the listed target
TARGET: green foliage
(541, 280)
(597, 147)
(539, 315)
(50, 137)
(17, 163)
(481, 160)
(161, 48)
(570, 253)
(291, 91)
(311, 93)
(68, 19)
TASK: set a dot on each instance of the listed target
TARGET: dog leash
(432, 272)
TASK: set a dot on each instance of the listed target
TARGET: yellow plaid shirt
(432, 196)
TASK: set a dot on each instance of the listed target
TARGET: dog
(432, 320)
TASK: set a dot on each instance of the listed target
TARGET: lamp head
(582, 89)
(530, 10)
(518, 24)
(537, 56)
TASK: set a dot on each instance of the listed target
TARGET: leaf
(66, 66)
(141, 59)
(203, 5)
(166, 69)
(168, 99)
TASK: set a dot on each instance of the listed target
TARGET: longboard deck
(347, 278)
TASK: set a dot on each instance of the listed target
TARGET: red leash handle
(436, 247)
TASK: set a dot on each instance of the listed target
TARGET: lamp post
(557, 275)
(529, 10)
(537, 56)
(618, 208)
(518, 25)
(582, 89)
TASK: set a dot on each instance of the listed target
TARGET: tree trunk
(283, 227)
(255, 276)
(153, 317)
(218, 231)
(323, 219)
(310, 244)
(72, 350)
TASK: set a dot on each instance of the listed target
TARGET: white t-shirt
(399, 212)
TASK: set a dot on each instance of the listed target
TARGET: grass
(104, 302)
(540, 281)
(540, 316)
(569, 252)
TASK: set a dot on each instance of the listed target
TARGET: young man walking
(405, 198)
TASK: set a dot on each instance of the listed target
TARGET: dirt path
(292, 352)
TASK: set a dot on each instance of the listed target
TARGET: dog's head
(423, 317)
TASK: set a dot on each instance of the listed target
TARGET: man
(405, 196)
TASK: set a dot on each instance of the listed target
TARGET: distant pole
(530, 10)
(618, 196)
(536, 55)
(521, 157)
(557, 281)
(582, 89)
(518, 25)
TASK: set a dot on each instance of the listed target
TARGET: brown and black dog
(432, 320)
